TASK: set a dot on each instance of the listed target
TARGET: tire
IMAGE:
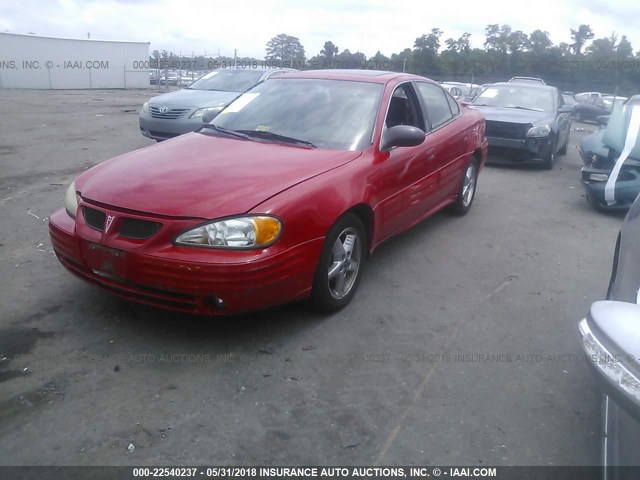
(341, 264)
(550, 158)
(467, 191)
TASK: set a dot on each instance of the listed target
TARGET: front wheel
(340, 266)
(550, 158)
(467, 191)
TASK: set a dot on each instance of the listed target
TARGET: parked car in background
(591, 108)
(600, 152)
(457, 91)
(282, 197)
(175, 113)
(169, 78)
(582, 96)
(535, 80)
(610, 338)
(153, 77)
(569, 98)
(526, 123)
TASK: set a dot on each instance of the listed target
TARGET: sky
(214, 26)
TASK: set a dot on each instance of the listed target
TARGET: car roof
(538, 86)
(370, 76)
(527, 79)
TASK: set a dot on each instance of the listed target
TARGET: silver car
(174, 113)
(610, 337)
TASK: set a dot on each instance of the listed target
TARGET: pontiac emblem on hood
(108, 223)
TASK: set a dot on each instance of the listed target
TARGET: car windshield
(230, 80)
(568, 99)
(334, 114)
(517, 96)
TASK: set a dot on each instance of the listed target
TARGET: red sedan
(282, 196)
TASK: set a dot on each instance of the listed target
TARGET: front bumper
(518, 151)
(627, 187)
(163, 129)
(186, 279)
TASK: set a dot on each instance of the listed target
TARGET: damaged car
(611, 156)
(526, 123)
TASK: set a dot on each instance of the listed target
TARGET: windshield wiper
(275, 137)
(232, 133)
(526, 108)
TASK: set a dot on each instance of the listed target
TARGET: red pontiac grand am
(282, 196)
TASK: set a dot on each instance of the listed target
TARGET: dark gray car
(525, 123)
(611, 339)
(175, 113)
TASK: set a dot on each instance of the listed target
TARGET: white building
(28, 61)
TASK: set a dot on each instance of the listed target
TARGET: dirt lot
(459, 348)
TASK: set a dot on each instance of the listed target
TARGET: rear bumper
(518, 151)
(163, 129)
(192, 280)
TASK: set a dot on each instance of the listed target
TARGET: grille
(94, 218)
(506, 130)
(138, 229)
(155, 133)
(170, 114)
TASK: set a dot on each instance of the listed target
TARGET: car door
(448, 139)
(402, 181)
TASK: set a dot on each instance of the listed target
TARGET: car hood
(515, 115)
(194, 98)
(204, 176)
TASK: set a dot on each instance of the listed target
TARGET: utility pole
(404, 65)
(235, 56)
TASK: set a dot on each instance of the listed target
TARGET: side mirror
(602, 120)
(611, 340)
(401, 136)
(208, 116)
(566, 108)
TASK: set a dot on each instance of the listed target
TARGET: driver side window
(404, 108)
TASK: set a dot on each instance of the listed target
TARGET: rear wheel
(467, 190)
(340, 266)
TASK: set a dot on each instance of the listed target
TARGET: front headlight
(539, 131)
(238, 232)
(610, 365)
(201, 111)
(71, 200)
(145, 107)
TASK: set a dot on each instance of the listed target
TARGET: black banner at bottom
(335, 472)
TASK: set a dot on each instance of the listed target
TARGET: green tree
(425, 53)
(329, 51)
(285, 49)
(539, 42)
(580, 37)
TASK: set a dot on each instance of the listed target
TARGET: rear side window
(435, 102)
(455, 108)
